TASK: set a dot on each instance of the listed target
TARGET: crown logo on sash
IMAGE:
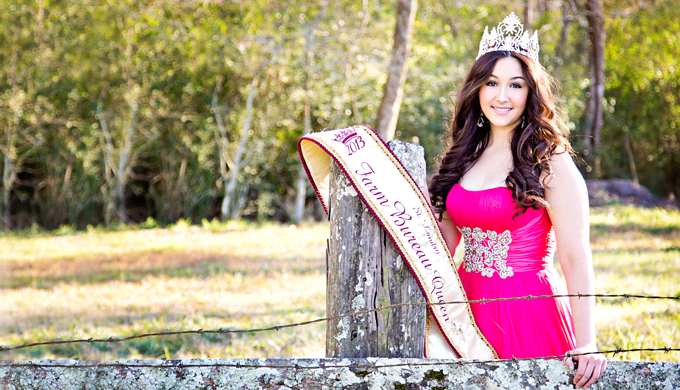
(509, 36)
(345, 135)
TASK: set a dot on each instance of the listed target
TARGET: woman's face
(504, 95)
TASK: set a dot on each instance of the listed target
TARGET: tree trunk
(226, 163)
(301, 192)
(9, 173)
(355, 42)
(564, 34)
(124, 166)
(227, 210)
(631, 159)
(386, 123)
(365, 271)
(8, 176)
(529, 14)
(596, 40)
(109, 166)
(67, 194)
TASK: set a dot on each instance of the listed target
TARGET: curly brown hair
(532, 146)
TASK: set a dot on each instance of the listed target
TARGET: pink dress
(511, 257)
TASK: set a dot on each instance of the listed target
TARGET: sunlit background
(163, 86)
(124, 125)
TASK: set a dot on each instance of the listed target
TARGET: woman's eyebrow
(512, 78)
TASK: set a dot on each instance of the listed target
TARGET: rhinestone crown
(509, 36)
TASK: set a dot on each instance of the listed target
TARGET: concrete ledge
(368, 373)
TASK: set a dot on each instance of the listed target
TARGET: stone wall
(360, 373)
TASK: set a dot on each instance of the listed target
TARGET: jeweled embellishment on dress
(486, 252)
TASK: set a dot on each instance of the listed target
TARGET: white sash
(397, 203)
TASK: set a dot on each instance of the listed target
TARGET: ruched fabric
(515, 328)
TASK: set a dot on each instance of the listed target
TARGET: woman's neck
(499, 139)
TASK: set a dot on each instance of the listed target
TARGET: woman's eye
(491, 83)
(515, 85)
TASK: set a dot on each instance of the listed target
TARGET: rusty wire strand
(309, 322)
(352, 364)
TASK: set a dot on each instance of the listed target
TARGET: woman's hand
(589, 367)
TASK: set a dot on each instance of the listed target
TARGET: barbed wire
(295, 364)
(324, 319)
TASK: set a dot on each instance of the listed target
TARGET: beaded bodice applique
(498, 243)
(486, 252)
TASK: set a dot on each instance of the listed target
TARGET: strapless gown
(506, 257)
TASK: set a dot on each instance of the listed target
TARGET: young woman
(509, 188)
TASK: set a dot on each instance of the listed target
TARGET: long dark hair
(532, 146)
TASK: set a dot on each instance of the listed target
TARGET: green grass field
(100, 284)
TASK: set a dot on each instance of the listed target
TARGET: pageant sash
(397, 203)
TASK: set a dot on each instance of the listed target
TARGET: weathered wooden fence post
(364, 271)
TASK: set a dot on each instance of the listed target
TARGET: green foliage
(642, 89)
(64, 230)
(150, 223)
(154, 67)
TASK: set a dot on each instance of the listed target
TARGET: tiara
(509, 36)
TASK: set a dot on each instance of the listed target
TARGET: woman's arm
(448, 228)
(450, 232)
(567, 196)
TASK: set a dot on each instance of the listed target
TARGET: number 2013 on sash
(354, 145)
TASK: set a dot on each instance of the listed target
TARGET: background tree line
(119, 110)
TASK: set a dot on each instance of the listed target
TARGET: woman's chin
(504, 125)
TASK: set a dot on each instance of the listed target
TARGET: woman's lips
(501, 110)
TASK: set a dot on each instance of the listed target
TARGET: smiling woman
(509, 189)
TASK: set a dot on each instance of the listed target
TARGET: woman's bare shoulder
(561, 156)
(565, 173)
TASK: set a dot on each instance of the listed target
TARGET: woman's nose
(502, 95)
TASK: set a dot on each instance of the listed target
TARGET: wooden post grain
(364, 271)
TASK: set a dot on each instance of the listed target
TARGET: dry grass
(102, 284)
(637, 251)
(98, 284)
